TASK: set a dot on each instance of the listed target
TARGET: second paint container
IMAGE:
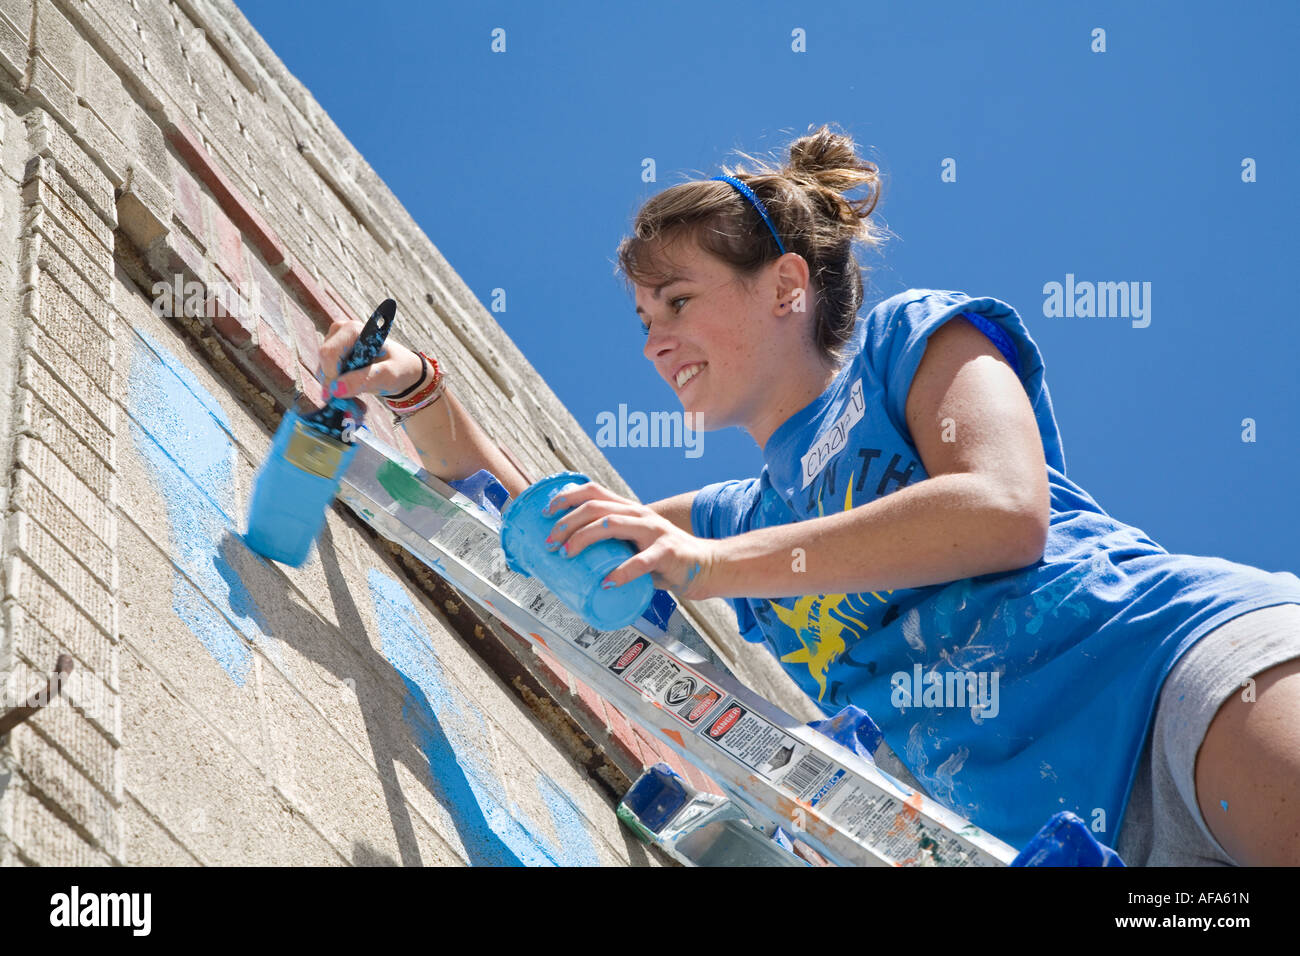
(576, 580)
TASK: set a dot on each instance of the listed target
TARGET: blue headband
(757, 203)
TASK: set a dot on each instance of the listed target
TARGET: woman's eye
(645, 329)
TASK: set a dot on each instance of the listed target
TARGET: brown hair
(806, 203)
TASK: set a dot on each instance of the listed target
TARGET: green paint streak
(408, 491)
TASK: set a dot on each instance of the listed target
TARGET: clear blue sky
(524, 168)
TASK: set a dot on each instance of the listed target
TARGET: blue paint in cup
(576, 580)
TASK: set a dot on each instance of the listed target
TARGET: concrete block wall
(158, 159)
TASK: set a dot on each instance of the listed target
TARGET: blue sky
(524, 168)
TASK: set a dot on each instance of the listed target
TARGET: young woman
(913, 534)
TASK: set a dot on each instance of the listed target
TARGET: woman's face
(716, 343)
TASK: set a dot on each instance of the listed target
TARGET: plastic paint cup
(576, 580)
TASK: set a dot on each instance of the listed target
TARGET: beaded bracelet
(419, 398)
(423, 396)
(415, 393)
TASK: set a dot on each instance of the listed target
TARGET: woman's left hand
(675, 560)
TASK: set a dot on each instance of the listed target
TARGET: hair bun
(822, 150)
(827, 163)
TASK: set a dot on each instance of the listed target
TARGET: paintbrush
(308, 457)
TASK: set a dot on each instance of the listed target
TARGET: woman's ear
(792, 285)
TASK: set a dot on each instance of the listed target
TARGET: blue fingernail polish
(605, 523)
(606, 585)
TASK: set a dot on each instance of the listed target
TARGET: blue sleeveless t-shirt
(1010, 695)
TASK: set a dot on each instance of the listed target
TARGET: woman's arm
(676, 509)
(941, 529)
(453, 446)
(450, 443)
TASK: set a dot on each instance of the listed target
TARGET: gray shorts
(1163, 825)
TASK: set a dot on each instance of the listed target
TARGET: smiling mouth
(691, 372)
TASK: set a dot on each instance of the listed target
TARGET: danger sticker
(628, 656)
(670, 684)
(755, 741)
(727, 721)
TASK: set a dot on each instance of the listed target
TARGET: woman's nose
(656, 344)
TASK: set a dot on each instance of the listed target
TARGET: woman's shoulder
(913, 306)
(892, 339)
(902, 318)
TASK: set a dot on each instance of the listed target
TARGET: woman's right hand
(396, 369)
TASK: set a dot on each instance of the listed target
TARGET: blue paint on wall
(451, 731)
(186, 439)
(576, 848)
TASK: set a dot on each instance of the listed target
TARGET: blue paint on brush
(185, 438)
(451, 730)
